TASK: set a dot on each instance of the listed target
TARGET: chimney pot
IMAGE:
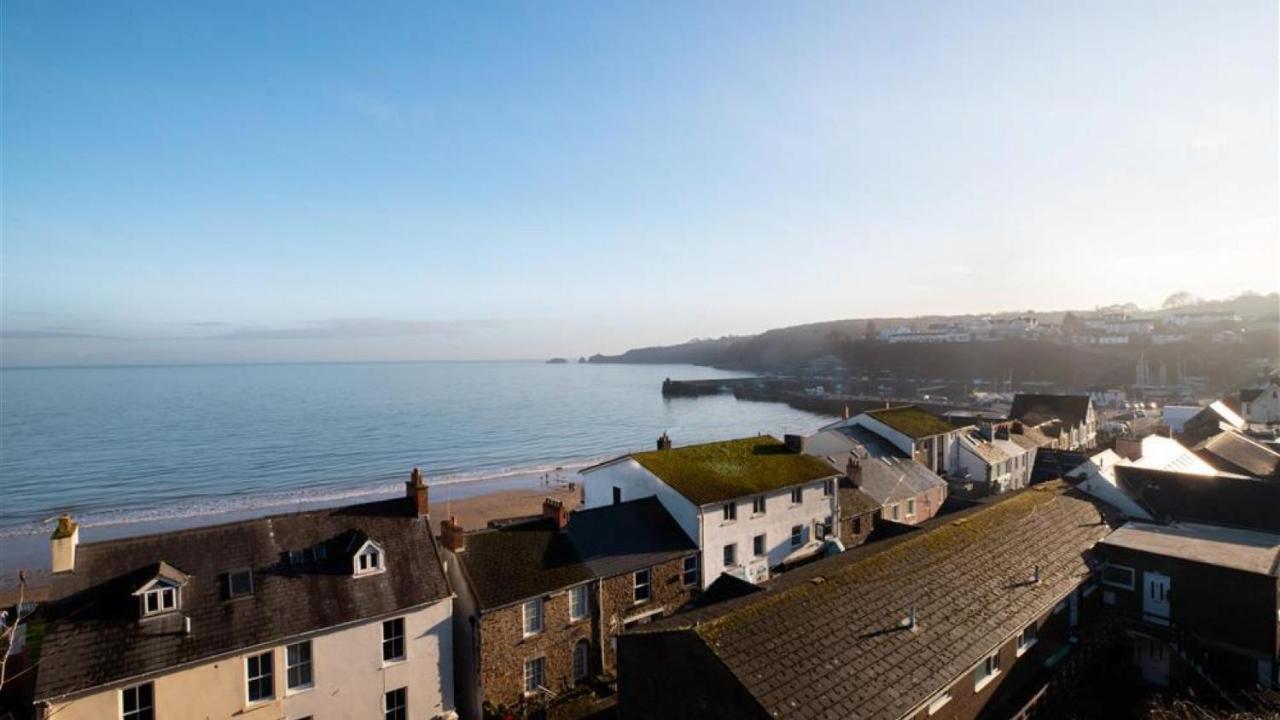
(853, 470)
(554, 509)
(664, 442)
(415, 490)
(62, 544)
(846, 411)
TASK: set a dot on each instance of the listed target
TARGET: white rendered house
(750, 505)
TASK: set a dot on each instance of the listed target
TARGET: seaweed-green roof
(912, 421)
(732, 468)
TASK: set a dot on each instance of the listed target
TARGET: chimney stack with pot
(664, 442)
(452, 535)
(853, 471)
(416, 491)
(63, 544)
(554, 509)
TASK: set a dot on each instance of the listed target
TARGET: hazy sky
(327, 181)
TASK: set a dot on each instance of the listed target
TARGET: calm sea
(117, 445)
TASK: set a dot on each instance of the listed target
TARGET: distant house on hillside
(1075, 412)
(751, 505)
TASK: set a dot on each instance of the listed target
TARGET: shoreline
(475, 503)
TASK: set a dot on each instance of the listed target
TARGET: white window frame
(730, 549)
(578, 600)
(1023, 642)
(759, 505)
(797, 496)
(938, 702)
(1123, 586)
(162, 592)
(531, 617)
(541, 664)
(140, 711)
(370, 559)
(637, 584)
(764, 545)
(400, 624)
(729, 512)
(911, 507)
(685, 570)
(289, 664)
(797, 535)
(270, 674)
(989, 668)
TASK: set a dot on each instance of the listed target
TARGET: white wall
(1265, 408)
(776, 523)
(893, 437)
(349, 678)
(636, 482)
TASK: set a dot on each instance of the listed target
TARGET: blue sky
(333, 181)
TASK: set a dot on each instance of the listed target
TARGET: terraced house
(330, 613)
(916, 432)
(751, 505)
(966, 617)
(541, 599)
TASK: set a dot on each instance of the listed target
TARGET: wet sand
(474, 511)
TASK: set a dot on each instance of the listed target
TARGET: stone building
(541, 599)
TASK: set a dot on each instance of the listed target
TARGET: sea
(128, 445)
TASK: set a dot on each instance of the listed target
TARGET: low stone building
(541, 599)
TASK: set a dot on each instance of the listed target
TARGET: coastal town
(1047, 561)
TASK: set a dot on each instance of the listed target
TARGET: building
(1200, 600)
(879, 483)
(751, 505)
(330, 613)
(541, 599)
(1075, 412)
(916, 432)
(1209, 421)
(1231, 451)
(1262, 405)
(967, 615)
(993, 465)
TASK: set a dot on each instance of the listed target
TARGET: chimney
(1016, 428)
(554, 509)
(416, 491)
(794, 443)
(63, 544)
(853, 471)
(452, 535)
(846, 411)
(664, 442)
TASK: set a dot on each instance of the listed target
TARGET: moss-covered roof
(732, 468)
(912, 421)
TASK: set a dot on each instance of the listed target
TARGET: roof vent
(1035, 575)
(909, 622)
(817, 580)
(186, 625)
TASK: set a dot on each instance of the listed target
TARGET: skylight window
(239, 583)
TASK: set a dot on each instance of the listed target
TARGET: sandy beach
(30, 553)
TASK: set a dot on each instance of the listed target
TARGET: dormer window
(161, 593)
(159, 600)
(369, 559)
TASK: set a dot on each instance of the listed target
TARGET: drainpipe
(600, 629)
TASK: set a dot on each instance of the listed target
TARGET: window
(641, 585)
(160, 600)
(911, 507)
(297, 558)
(533, 674)
(986, 671)
(828, 488)
(393, 640)
(758, 546)
(577, 602)
(895, 511)
(298, 665)
(369, 559)
(138, 702)
(532, 614)
(857, 526)
(939, 701)
(260, 674)
(797, 535)
(617, 495)
(239, 583)
(730, 512)
(1026, 639)
(758, 505)
(320, 552)
(581, 660)
(797, 496)
(690, 574)
(730, 555)
(396, 704)
(823, 529)
(1118, 576)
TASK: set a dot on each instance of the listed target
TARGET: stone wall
(667, 594)
(504, 649)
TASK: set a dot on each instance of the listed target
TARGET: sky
(333, 181)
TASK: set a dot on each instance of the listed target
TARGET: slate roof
(887, 476)
(1248, 550)
(1221, 499)
(1235, 452)
(986, 451)
(718, 471)
(515, 562)
(94, 636)
(912, 421)
(1035, 408)
(825, 640)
